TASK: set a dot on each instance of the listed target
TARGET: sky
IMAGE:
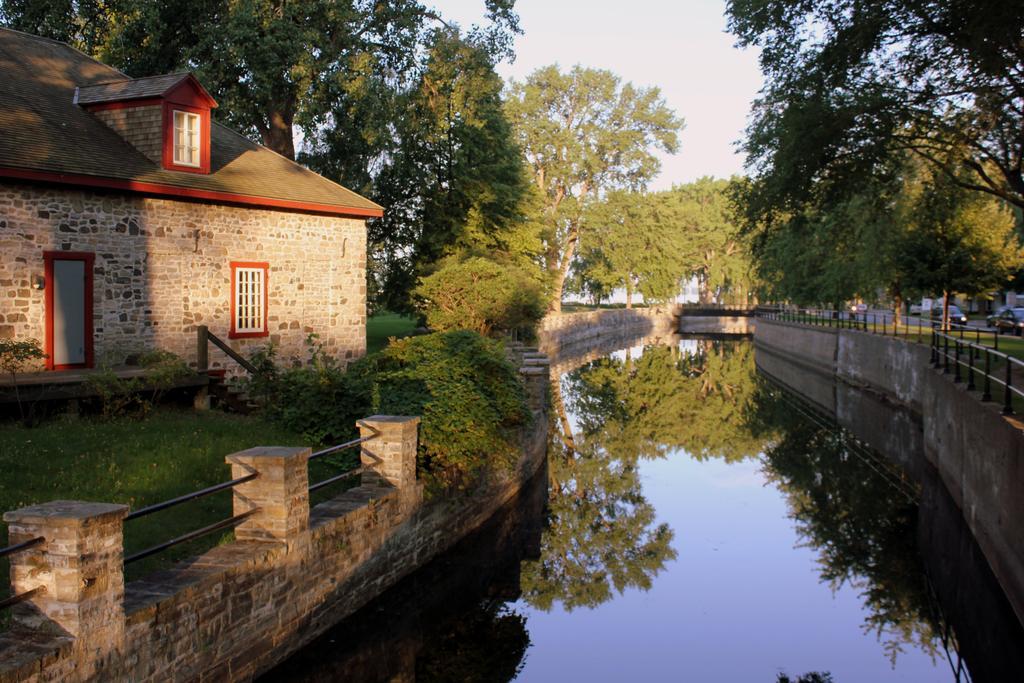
(680, 46)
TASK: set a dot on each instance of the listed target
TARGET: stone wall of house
(140, 126)
(162, 267)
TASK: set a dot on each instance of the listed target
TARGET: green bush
(481, 295)
(16, 357)
(469, 397)
(320, 401)
(467, 393)
(122, 396)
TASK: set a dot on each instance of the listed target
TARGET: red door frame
(89, 258)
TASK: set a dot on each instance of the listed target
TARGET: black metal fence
(959, 350)
(913, 327)
(982, 367)
(335, 449)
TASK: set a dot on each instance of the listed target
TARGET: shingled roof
(47, 136)
(131, 88)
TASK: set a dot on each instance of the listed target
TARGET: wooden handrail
(204, 338)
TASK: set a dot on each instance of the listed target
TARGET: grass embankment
(384, 325)
(138, 463)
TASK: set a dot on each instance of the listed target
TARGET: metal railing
(335, 449)
(194, 495)
(957, 356)
(877, 323)
(983, 367)
(17, 548)
(209, 529)
(230, 522)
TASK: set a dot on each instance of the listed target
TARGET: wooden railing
(203, 340)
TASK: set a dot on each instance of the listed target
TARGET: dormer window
(187, 136)
(167, 118)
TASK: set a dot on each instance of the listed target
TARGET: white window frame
(191, 126)
(250, 315)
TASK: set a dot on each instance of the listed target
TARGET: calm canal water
(695, 522)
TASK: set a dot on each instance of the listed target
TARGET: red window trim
(204, 137)
(89, 258)
(235, 265)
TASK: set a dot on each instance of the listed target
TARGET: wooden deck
(67, 384)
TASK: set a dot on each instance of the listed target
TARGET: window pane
(249, 291)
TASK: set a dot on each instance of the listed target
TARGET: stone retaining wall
(977, 452)
(570, 335)
(235, 611)
(561, 333)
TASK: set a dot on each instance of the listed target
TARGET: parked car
(991, 319)
(956, 316)
(1010, 321)
(858, 308)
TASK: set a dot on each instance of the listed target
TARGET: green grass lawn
(381, 327)
(141, 462)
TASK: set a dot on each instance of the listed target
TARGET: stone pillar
(80, 567)
(390, 458)
(536, 375)
(281, 492)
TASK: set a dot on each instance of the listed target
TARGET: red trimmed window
(186, 138)
(249, 289)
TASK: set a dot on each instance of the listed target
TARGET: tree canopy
(915, 233)
(849, 85)
(632, 244)
(709, 233)
(584, 133)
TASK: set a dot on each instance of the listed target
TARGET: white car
(859, 308)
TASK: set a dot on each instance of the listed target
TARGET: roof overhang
(187, 193)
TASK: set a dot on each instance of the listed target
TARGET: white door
(69, 312)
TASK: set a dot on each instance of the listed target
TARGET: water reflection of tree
(850, 507)
(669, 398)
(602, 536)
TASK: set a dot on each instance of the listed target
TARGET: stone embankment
(977, 452)
(237, 610)
(596, 333)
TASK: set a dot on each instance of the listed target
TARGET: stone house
(128, 217)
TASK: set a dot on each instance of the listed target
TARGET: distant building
(128, 216)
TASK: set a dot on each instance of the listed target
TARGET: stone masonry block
(79, 566)
(280, 492)
(391, 457)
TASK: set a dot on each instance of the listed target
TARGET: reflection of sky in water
(741, 603)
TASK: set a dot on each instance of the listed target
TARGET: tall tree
(583, 133)
(849, 84)
(954, 240)
(713, 249)
(631, 244)
(455, 184)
